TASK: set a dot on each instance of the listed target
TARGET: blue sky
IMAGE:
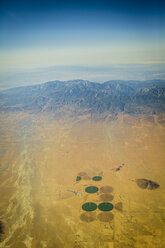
(48, 33)
(95, 40)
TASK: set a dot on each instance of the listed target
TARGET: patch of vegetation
(78, 178)
(105, 206)
(97, 178)
(91, 189)
(89, 206)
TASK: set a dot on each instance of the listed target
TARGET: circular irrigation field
(97, 178)
(78, 178)
(105, 206)
(106, 189)
(91, 189)
(106, 197)
(89, 206)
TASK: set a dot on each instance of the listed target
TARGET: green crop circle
(78, 178)
(105, 206)
(91, 189)
(97, 178)
(89, 206)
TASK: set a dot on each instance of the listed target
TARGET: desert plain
(46, 163)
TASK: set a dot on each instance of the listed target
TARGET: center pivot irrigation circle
(78, 178)
(89, 206)
(97, 178)
(105, 206)
(91, 189)
(106, 189)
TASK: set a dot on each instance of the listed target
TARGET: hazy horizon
(30, 76)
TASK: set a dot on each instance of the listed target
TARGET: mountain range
(82, 96)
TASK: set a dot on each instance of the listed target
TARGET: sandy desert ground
(41, 196)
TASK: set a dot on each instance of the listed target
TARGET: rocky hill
(82, 96)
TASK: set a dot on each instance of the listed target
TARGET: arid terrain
(82, 165)
(42, 158)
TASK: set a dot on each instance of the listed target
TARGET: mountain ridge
(90, 97)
